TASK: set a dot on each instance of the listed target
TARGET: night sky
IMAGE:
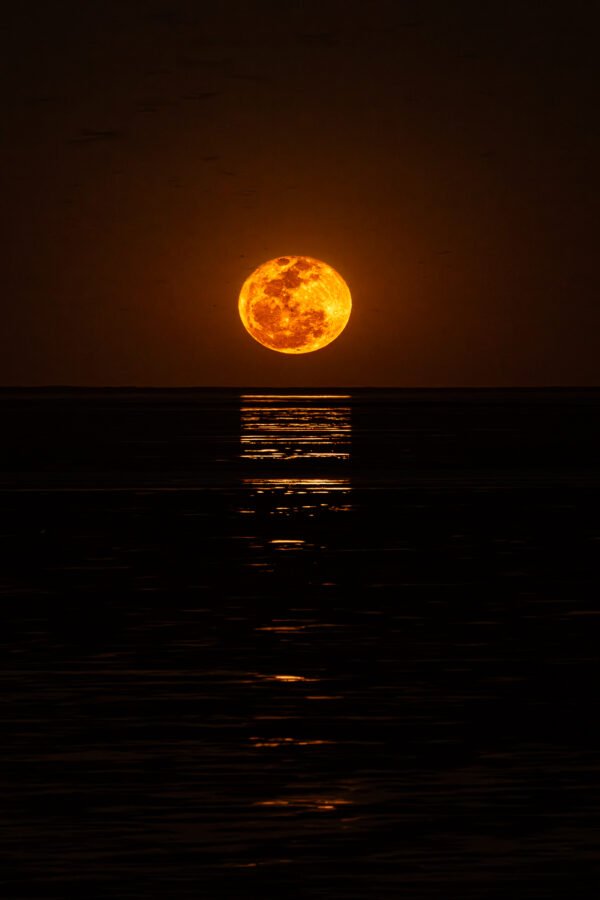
(443, 157)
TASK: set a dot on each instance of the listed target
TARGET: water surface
(302, 644)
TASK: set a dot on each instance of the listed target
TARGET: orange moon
(295, 304)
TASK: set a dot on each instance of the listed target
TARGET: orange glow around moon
(295, 304)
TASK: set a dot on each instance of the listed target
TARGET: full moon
(295, 304)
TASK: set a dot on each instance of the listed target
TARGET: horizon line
(324, 387)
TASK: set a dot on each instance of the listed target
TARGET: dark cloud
(91, 136)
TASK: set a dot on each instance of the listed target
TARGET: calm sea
(333, 644)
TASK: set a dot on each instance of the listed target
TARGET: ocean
(299, 643)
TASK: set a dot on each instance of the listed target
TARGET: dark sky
(443, 156)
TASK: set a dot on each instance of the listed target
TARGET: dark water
(337, 645)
